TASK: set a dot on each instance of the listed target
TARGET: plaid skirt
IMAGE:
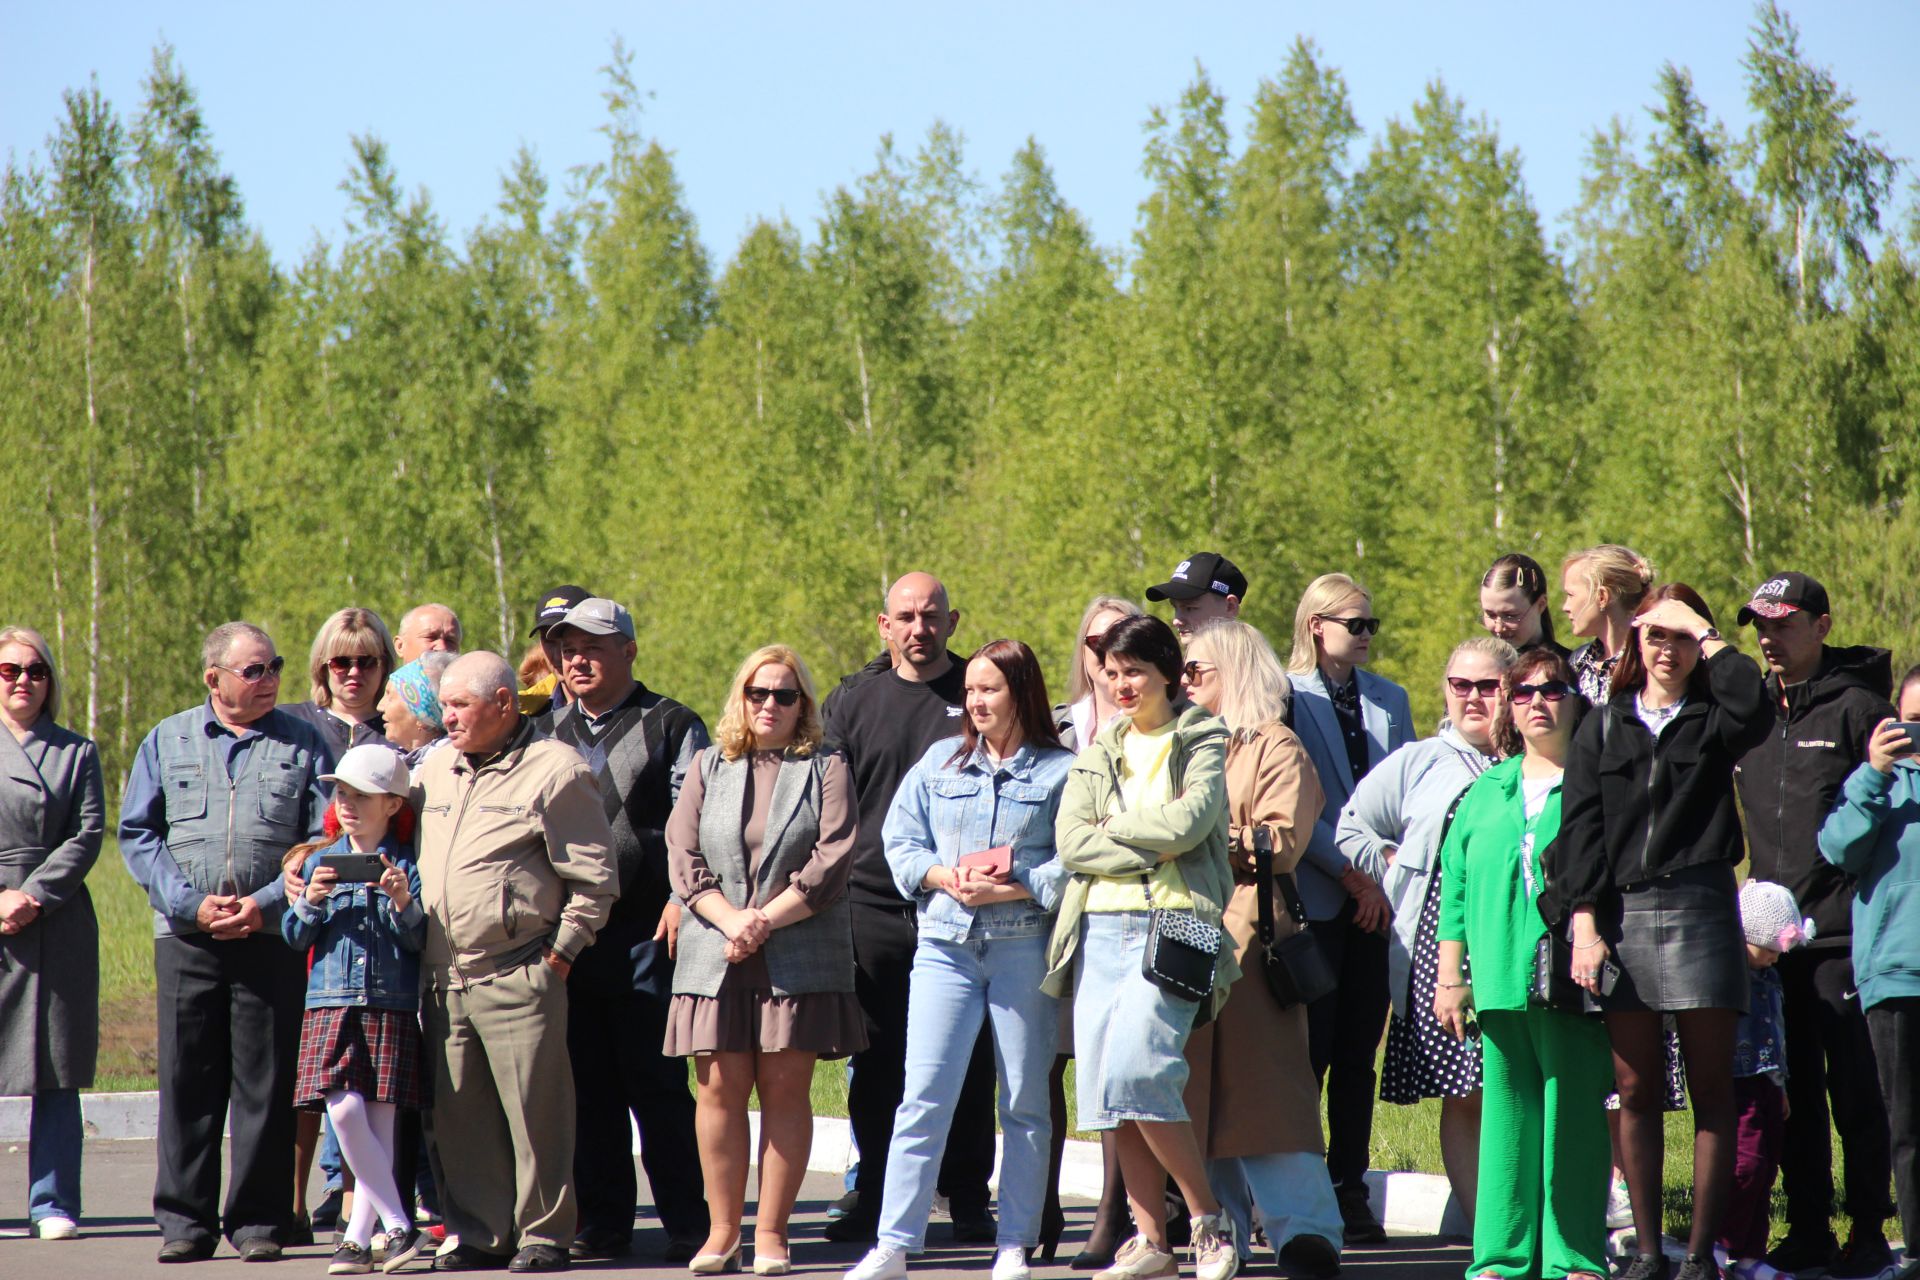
(376, 1053)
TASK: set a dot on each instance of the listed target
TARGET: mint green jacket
(1191, 828)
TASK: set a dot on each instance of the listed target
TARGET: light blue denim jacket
(365, 954)
(942, 812)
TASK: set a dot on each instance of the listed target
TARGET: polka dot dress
(1423, 1061)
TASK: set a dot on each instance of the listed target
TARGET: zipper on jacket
(453, 951)
(233, 792)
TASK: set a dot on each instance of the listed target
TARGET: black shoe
(467, 1258)
(1698, 1267)
(403, 1246)
(1311, 1256)
(186, 1251)
(260, 1249)
(350, 1260)
(845, 1205)
(1645, 1266)
(1356, 1216)
(681, 1249)
(540, 1257)
(1804, 1255)
(596, 1243)
(300, 1234)
(1866, 1255)
(974, 1225)
(855, 1228)
(326, 1214)
(1092, 1259)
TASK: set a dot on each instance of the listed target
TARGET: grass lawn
(1404, 1138)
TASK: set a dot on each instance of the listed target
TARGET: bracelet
(1453, 986)
(1588, 946)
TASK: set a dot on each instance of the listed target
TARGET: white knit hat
(1771, 917)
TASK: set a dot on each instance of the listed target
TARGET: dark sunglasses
(1096, 645)
(37, 672)
(255, 672)
(1195, 669)
(1354, 626)
(784, 697)
(351, 661)
(1462, 687)
(1551, 690)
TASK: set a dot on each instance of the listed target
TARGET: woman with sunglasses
(969, 840)
(1543, 1152)
(352, 657)
(1644, 866)
(52, 817)
(759, 848)
(1348, 720)
(1392, 829)
(1513, 604)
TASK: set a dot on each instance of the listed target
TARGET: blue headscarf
(417, 692)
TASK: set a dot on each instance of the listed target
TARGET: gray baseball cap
(598, 616)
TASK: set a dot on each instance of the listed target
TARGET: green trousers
(1544, 1158)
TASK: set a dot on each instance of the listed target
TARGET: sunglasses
(757, 696)
(1354, 626)
(37, 672)
(1551, 690)
(354, 662)
(255, 672)
(1096, 645)
(1462, 687)
(1195, 669)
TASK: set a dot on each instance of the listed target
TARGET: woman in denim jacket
(983, 948)
(360, 1050)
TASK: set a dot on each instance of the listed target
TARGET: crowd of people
(448, 923)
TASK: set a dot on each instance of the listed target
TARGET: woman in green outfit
(1543, 1143)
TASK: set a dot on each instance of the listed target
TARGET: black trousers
(1343, 1040)
(229, 1020)
(614, 1036)
(1830, 1056)
(1895, 1027)
(884, 940)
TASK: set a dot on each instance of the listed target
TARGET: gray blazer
(1388, 718)
(811, 955)
(52, 816)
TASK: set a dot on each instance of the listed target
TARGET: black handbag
(1182, 950)
(1296, 968)
(1550, 985)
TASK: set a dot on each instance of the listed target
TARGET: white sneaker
(57, 1227)
(1619, 1207)
(1011, 1264)
(883, 1262)
(1139, 1260)
(1214, 1254)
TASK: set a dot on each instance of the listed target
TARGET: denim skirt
(1129, 1036)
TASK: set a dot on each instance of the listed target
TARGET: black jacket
(1631, 810)
(1789, 782)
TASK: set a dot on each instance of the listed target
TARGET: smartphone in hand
(354, 868)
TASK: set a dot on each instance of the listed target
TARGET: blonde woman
(759, 847)
(351, 658)
(1602, 587)
(1090, 705)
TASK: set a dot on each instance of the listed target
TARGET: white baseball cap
(371, 770)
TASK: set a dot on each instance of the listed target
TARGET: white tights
(365, 1130)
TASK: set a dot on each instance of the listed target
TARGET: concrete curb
(1409, 1202)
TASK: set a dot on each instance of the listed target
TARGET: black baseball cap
(1199, 573)
(554, 605)
(1782, 594)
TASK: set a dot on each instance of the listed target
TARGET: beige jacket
(515, 857)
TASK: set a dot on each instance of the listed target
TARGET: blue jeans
(53, 1155)
(955, 985)
(1290, 1190)
(331, 1162)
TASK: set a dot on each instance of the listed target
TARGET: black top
(883, 725)
(1632, 810)
(1788, 784)
(340, 734)
(1353, 727)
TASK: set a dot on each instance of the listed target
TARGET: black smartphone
(1912, 730)
(354, 868)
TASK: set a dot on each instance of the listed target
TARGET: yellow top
(1145, 783)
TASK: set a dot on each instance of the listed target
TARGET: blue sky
(767, 106)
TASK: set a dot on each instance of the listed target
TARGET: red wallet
(996, 861)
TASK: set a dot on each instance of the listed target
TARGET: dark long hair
(1534, 665)
(1148, 640)
(1630, 673)
(1029, 689)
(1522, 571)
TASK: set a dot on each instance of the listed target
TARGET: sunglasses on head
(37, 672)
(1462, 687)
(1354, 626)
(757, 696)
(1551, 690)
(351, 661)
(255, 672)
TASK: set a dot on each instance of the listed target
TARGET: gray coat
(52, 816)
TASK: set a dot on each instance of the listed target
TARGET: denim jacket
(942, 812)
(365, 954)
(1759, 1039)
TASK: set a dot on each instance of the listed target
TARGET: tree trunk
(94, 515)
(499, 568)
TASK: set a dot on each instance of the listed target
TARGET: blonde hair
(734, 735)
(1077, 686)
(350, 631)
(1253, 688)
(1498, 651)
(1625, 573)
(38, 643)
(1324, 594)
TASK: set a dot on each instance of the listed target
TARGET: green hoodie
(1191, 828)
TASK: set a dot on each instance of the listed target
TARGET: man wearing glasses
(217, 795)
(639, 745)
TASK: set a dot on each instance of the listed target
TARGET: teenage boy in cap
(549, 693)
(639, 745)
(1829, 699)
(1203, 587)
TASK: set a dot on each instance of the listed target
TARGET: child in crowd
(1770, 916)
(360, 1051)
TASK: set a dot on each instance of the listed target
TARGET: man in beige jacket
(516, 876)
